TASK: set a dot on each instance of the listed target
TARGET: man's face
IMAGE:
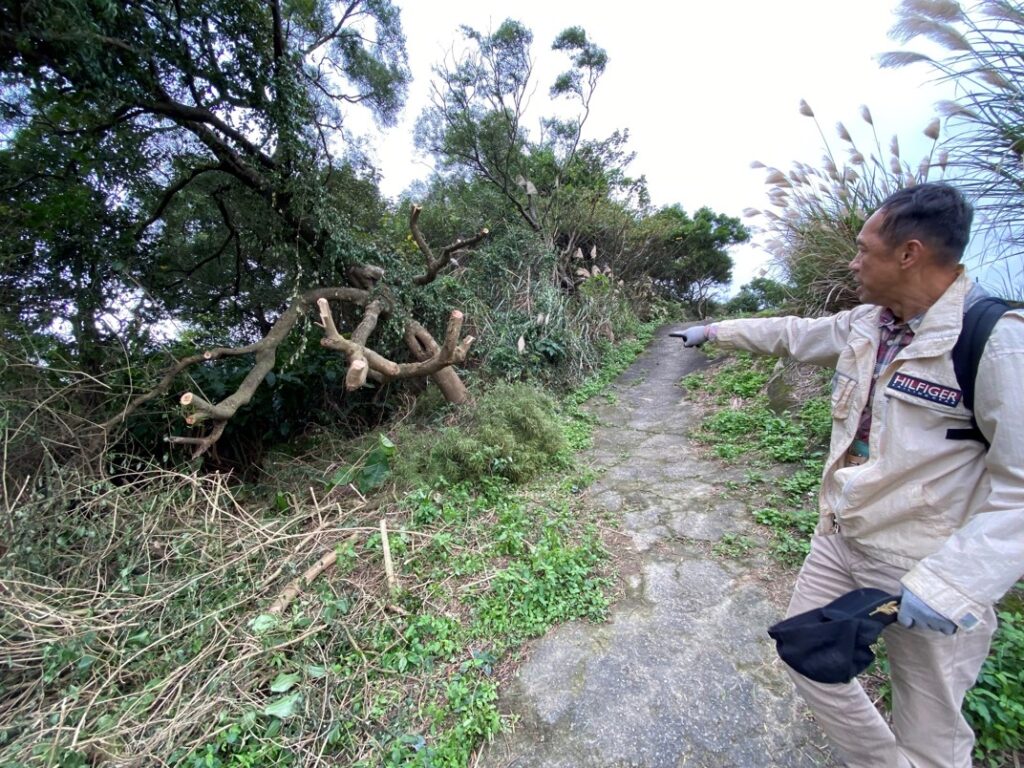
(876, 267)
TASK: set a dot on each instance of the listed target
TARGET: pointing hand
(692, 337)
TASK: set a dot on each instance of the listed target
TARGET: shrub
(818, 212)
(514, 431)
(995, 706)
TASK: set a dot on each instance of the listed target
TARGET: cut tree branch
(434, 266)
(452, 353)
(422, 346)
(323, 562)
(265, 351)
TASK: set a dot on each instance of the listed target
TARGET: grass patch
(741, 426)
(740, 375)
(141, 618)
(734, 545)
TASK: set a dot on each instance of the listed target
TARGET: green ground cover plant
(180, 618)
(995, 706)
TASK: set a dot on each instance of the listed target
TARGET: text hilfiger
(926, 390)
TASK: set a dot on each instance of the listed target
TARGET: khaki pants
(931, 672)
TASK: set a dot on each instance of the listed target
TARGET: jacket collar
(940, 327)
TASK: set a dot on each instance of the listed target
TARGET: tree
(474, 126)
(64, 241)
(243, 97)
(688, 257)
(196, 140)
(759, 294)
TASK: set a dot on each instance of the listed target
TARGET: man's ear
(912, 254)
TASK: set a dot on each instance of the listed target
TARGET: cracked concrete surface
(683, 672)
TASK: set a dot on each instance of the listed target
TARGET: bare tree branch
(173, 190)
(265, 351)
(434, 266)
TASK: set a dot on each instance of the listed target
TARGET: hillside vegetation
(287, 466)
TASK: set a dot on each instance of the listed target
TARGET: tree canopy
(202, 134)
(181, 195)
(686, 256)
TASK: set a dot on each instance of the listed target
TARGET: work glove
(914, 611)
(693, 337)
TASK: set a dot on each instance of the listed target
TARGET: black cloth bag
(832, 644)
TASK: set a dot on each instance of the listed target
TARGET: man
(906, 507)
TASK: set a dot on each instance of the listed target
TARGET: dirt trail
(683, 673)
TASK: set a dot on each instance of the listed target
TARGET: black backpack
(978, 323)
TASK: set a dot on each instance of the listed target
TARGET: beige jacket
(949, 512)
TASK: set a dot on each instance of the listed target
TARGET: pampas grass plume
(954, 109)
(944, 10)
(992, 77)
(910, 27)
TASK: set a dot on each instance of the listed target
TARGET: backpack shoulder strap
(978, 323)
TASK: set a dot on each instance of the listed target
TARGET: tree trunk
(422, 346)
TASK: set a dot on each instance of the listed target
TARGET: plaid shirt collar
(887, 321)
(893, 336)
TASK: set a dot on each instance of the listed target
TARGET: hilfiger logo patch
(926, 390)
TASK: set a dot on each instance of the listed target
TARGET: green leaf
(263, 623)
(284, 682)
(284, 707)
(342, 477)
(372, 476)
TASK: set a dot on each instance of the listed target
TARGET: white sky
(704, 88)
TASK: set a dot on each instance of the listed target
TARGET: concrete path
(683, 673)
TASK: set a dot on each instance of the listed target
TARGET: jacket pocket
(915, 426)
(843, 389)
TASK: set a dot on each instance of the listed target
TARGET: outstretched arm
(809, 340)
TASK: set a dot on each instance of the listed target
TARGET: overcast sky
(704, 88)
